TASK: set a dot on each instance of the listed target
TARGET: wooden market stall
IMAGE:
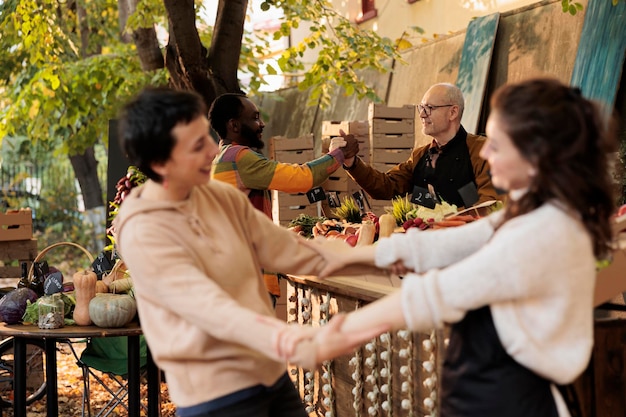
(396, 374)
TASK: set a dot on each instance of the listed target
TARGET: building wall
(534, 40)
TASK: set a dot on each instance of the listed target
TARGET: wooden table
(21, 334)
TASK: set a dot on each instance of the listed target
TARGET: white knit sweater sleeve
(423, 250)
(537, 273)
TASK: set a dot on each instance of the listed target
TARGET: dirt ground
(70, 388)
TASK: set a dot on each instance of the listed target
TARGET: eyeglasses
(428, 109)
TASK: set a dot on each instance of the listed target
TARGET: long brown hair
(563, 135)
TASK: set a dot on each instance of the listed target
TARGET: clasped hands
(348, 144)
(325, 342)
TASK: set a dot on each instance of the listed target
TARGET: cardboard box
(332, 128)
(390, 141)
(16, 225)
(282, 143)
(380, 111)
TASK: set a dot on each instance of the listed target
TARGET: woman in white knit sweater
(516, 286)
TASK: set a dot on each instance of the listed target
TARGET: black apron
(480, 379)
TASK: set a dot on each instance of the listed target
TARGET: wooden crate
(289, 200)
(379, 166)
(393, 141)
(390, 156)
(16, 250)
(294, 157)
(285, 214)
(286, 207)
(16, 225)
(392, 126)
(380, 111)
(332, 128)
(340, 183)
(379, 207)
(282, 143)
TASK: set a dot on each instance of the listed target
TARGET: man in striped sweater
(237, 121)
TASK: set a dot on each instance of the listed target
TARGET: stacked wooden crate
(392, 137)
(285, 206)
(16, 242)
(339, 183)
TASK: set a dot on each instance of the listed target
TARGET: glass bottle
(51, 311)
(23, 282)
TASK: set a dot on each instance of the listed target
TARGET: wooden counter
(396, 374)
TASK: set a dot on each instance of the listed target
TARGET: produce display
(365, 229)
(86, 300)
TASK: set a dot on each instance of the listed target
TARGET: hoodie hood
(135, 205)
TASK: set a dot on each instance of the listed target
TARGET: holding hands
(349, 146)
(327, 342)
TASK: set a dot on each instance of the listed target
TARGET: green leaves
(342, 49)
(572, 7)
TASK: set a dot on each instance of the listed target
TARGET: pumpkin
(101, 286)
(112, 310)
(84, 291)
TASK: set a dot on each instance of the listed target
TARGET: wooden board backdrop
(474, 68)
(601, 50)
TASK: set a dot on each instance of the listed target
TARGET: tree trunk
(145, 39)
(85, 168)
(225, 48)
(187, 60)
(124, 8)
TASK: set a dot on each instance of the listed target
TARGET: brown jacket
(398, 181)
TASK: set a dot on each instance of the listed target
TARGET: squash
(387, 224)
(112, 310)
(121, 285)
(84, 291)
(118, 272)
(367, 233)
(101, 287)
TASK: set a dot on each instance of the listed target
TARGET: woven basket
(43, 253)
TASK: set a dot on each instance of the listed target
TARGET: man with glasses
(448, 169)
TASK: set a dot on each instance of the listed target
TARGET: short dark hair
(146, 123)
(225, 107)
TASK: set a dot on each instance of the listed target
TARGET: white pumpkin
(112, 310)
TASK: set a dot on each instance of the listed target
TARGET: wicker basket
(43, 253)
